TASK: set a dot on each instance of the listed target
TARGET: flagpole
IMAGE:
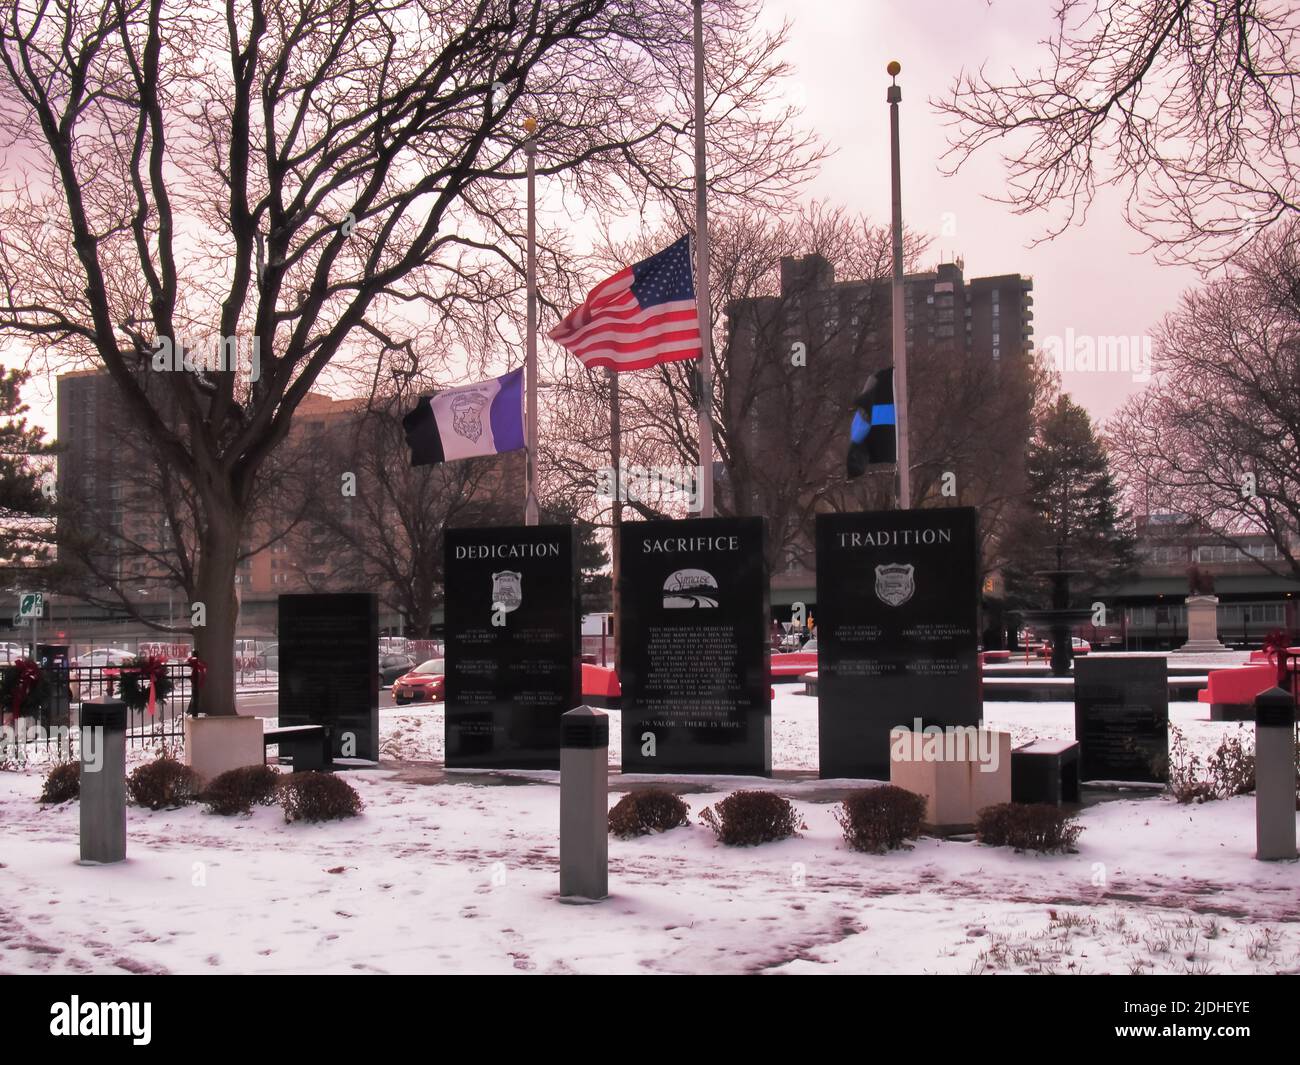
(702, 278)
(530, 364)
(893, 96)
(616, 517)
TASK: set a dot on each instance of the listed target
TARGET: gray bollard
(103, 781)
(1275, 782)
(584, 805)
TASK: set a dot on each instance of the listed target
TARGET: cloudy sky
(1094, 280)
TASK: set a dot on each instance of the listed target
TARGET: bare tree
(298, 180)
(1188, 106)
(1216, 435)
(386, 533)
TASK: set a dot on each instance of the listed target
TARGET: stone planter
(1202, 624)
(216, 744)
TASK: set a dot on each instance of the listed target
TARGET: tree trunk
(214, 642)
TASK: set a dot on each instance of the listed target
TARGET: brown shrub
(746, 818)
(882, 819)
(316, 796)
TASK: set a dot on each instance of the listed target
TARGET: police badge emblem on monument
(507, 590)
(894, 584)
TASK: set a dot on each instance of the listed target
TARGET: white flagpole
(893, 96)
(530, 364)
(702, 278)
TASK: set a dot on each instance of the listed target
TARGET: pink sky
(1093, 279)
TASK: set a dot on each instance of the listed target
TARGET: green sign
(31, 605)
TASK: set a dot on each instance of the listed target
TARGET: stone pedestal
(216, 744)
(103, 781)
(948, 770)
(1202, 624)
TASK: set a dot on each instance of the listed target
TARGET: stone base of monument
(958, 772)
(1202, 625)
(1201, 647)
(214, 745)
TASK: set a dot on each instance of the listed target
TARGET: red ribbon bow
(152, 669)
(198, 671)
(1275, 645)
(29, 675)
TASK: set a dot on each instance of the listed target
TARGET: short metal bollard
(584, 805)
(1275, 810)
(103, 781)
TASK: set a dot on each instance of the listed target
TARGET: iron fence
(57, 724)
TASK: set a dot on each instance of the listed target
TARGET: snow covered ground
(457, 872)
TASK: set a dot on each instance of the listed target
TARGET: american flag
(645, 314)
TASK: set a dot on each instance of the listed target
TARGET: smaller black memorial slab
(693, 626)
(512, 644)
(1121, 717)
(329, 669)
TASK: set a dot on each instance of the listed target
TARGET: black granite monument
(329, 669)
(695, 644)
(512, 645)
(1121, 718)
(897, 631)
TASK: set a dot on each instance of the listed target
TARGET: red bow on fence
(153, 670)
(29, 675)
(198, 671)
(1275, 646)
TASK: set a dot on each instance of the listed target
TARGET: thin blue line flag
(871, 435)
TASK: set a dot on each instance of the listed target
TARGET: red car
(424, 684)
(796, 663)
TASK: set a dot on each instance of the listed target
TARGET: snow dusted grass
(457, 872)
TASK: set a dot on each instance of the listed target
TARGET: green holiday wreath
(143, 677)
(25, 689)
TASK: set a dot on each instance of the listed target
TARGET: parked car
(393, 666)
(423, 684)
(1078, 646)
(103, 658)
(795, 663)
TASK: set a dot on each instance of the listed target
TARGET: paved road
(264, 704)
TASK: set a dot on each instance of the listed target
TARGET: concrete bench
(600, 687)
(1231, 692)
(1046, 771)
(307, 745)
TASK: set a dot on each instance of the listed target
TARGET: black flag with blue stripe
(871, 436)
